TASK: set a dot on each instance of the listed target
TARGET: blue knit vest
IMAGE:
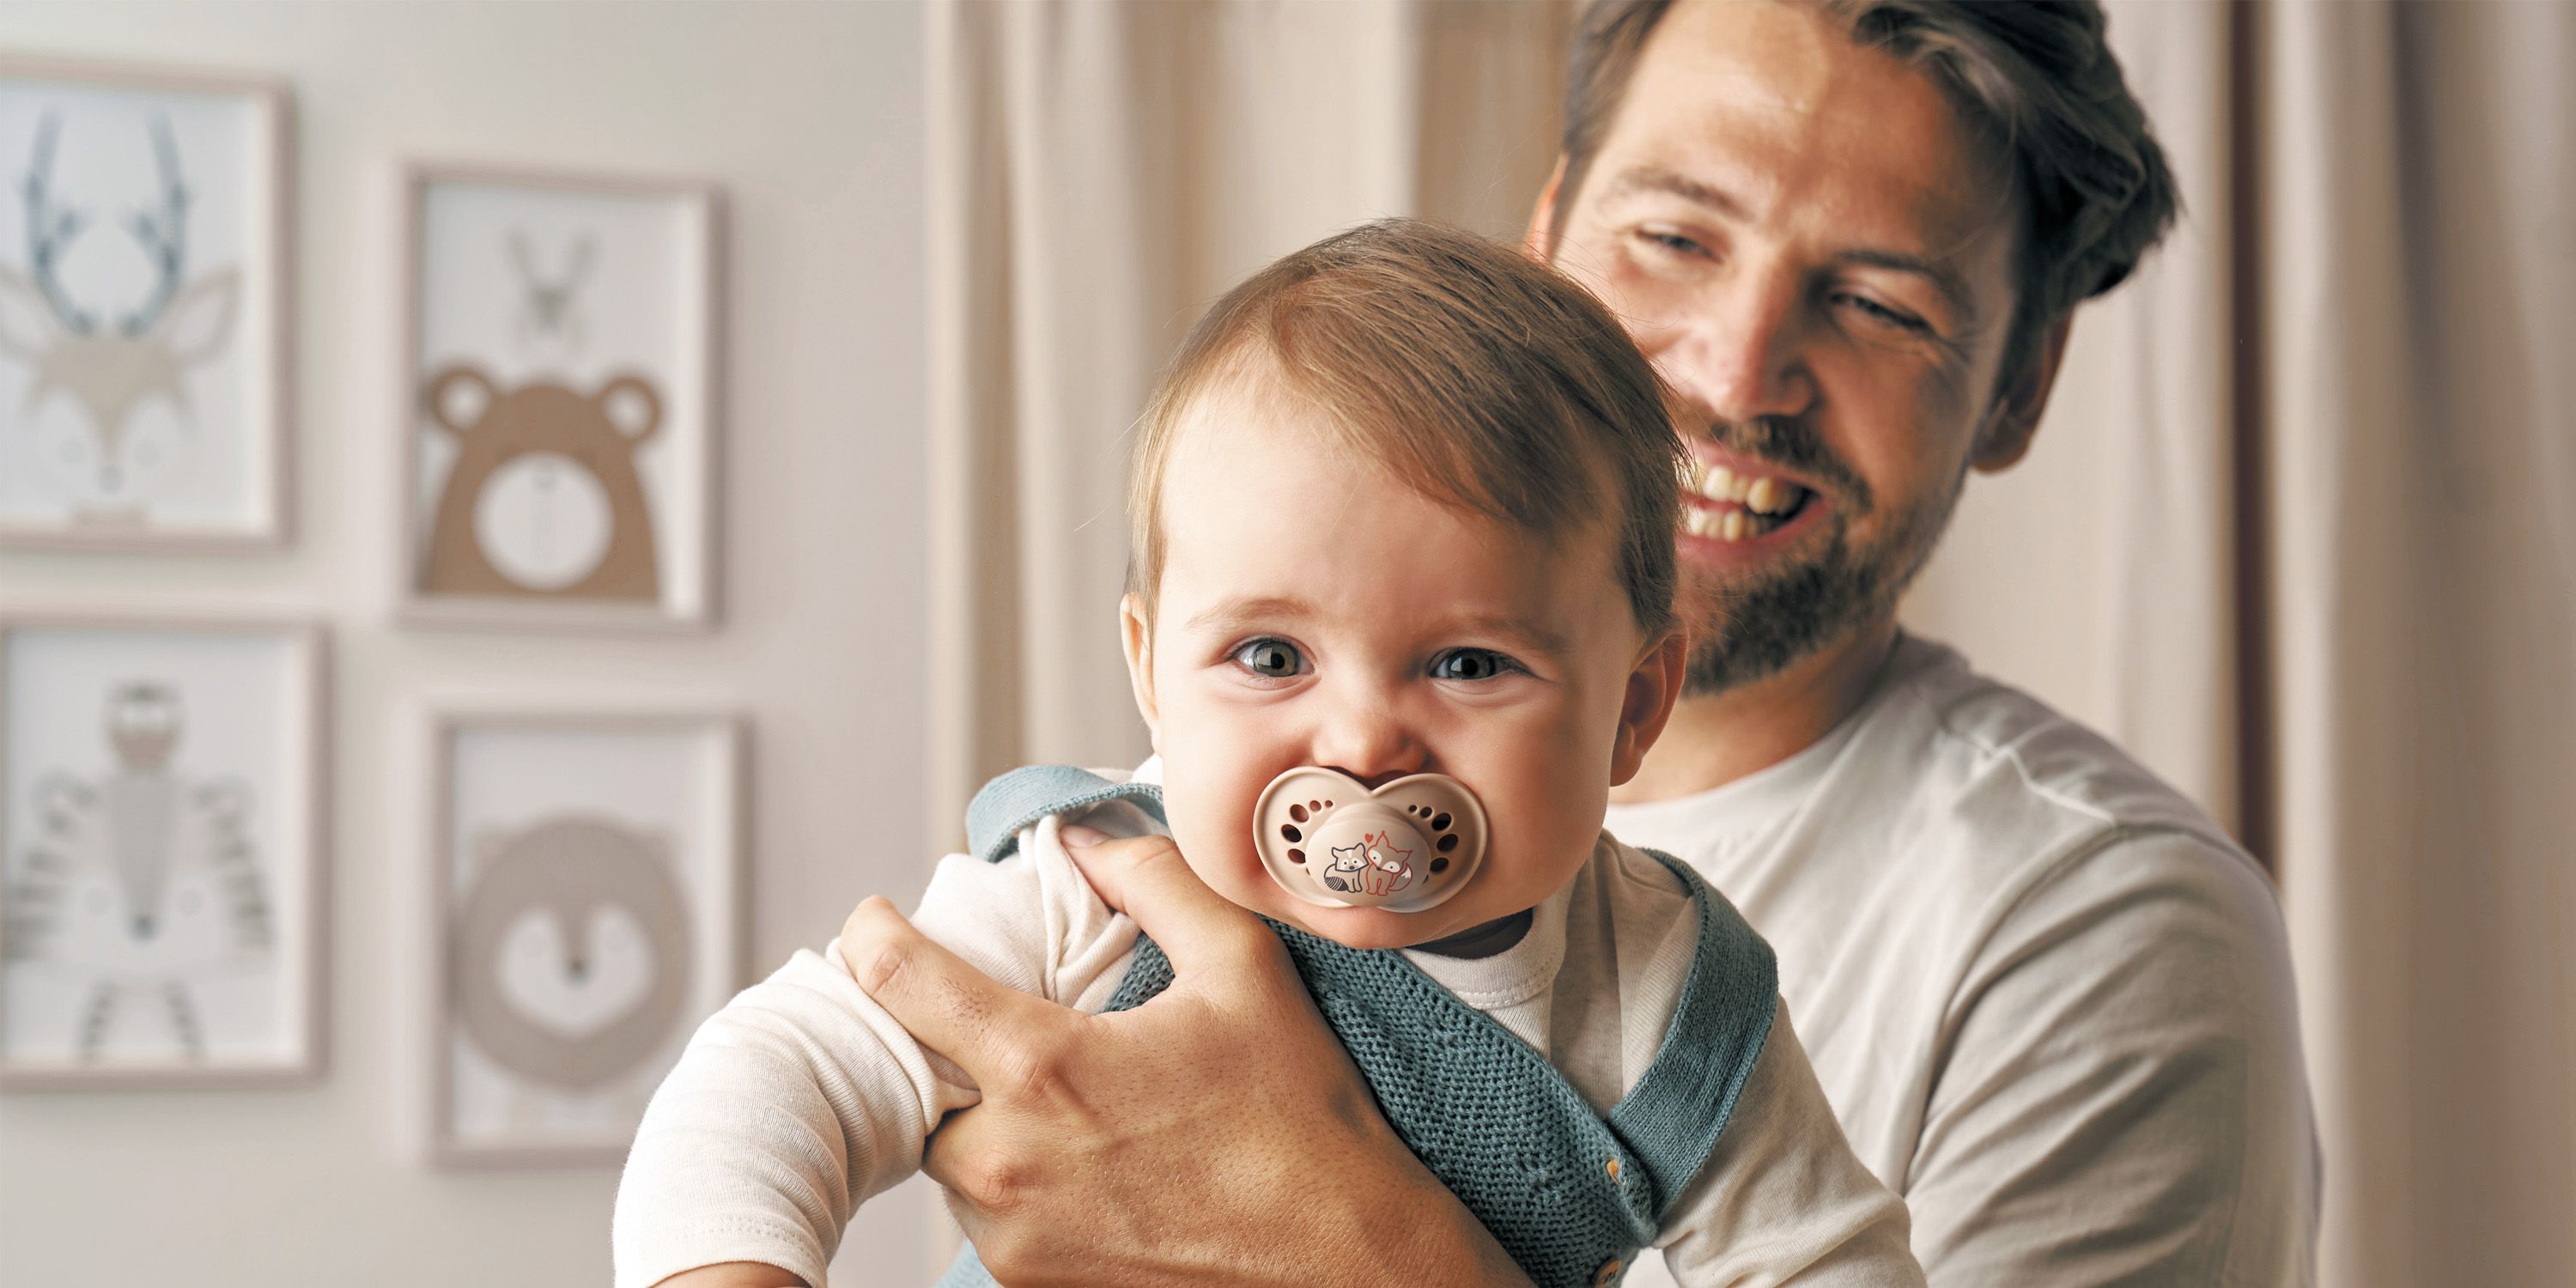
(1569, 1194)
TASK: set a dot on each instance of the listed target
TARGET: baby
(1403, 515)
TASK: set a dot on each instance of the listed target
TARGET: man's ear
(1542, 224)
(1653, 687)
(2015, 416)
(1137, 635)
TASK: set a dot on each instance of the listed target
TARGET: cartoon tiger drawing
(139, 883)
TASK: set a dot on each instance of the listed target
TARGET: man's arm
(1216, 1134)
(2121, 1097)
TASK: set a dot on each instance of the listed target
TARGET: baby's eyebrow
(1232, 613)
(1520, 634)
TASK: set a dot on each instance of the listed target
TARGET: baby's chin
(1372, 927)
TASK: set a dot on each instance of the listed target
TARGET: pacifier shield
(1405, 847)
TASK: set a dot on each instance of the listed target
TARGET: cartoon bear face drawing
(544, 499)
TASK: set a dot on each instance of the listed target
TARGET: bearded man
(2049, 998)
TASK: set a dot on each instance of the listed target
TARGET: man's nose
(1738, 352)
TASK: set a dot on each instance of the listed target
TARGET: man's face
(1817, 255)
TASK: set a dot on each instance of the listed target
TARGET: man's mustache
(1792, 444)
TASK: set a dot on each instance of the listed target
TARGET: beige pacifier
(1405, 847)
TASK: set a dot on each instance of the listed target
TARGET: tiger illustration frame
(558, 803)
(560, 398)
(222, 720)
(182, 439)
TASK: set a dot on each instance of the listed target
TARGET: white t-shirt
(2048, 997)
(802, 1098)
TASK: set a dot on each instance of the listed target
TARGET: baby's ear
(1653, 686)
(1136, 635)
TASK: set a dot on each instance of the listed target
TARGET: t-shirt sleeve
(2127, 1034)
(803, 1098)
(1782, 1199)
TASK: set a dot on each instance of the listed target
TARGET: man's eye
(1670, 242)
(1883, 315)
(1471, 664)
(1270, 659)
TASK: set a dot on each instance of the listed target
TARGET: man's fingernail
(1083, 838)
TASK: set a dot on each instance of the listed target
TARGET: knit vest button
(1612, 1167)
(1608, 1273)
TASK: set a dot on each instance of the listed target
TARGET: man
(2049, 999)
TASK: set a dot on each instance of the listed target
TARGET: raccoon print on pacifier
(1404, 847)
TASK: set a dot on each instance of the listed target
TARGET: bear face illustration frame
(586, 868)
(146, 308)
(163, 814)
(560, 392)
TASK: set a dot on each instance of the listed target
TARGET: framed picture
(586, 869)
(144, 296)
(560, 397)
(161, 899)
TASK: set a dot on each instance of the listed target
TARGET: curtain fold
(2300, 529)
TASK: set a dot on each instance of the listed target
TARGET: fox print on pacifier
(1404, 847)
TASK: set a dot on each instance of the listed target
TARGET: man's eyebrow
(1655, 178)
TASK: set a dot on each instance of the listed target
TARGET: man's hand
(1216, 1134)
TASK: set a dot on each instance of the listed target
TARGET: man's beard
(1756, 629)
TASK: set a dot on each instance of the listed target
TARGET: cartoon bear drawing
(544, 498)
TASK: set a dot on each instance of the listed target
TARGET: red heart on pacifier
(1405, 847)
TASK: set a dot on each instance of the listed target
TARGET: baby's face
(1314, 610)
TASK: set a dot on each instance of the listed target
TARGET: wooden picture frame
(162, 883)
(147, 298)
(561, 399)
(554, 1004)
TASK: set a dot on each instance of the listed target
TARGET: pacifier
(1405, 847)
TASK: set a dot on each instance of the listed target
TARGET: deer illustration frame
(163, 895)
(560, 386)
(586, 866)
(146, 308)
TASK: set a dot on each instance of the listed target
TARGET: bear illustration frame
(146, 308)
(545, 1036)
(173, 770)
(560, 393)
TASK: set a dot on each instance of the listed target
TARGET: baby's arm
(1783, 1200)
(802, 1098)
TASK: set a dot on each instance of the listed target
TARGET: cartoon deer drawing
(108, 406)
(547, 311)
(138, 884)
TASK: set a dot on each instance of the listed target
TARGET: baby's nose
(1374, 749)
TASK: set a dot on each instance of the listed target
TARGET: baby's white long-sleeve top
(803, 1098)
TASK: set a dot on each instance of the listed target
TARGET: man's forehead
(1771, 107)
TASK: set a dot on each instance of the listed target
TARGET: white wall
(809, 115)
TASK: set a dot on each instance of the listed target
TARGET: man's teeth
(1747, 505)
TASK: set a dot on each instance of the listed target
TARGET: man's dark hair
(2035, 78)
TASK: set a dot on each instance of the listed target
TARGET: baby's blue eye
(1270, 659)
(1470, 664)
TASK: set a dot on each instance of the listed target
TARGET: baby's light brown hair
(1473, 372)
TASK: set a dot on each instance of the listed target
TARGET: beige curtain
(2301, 529)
